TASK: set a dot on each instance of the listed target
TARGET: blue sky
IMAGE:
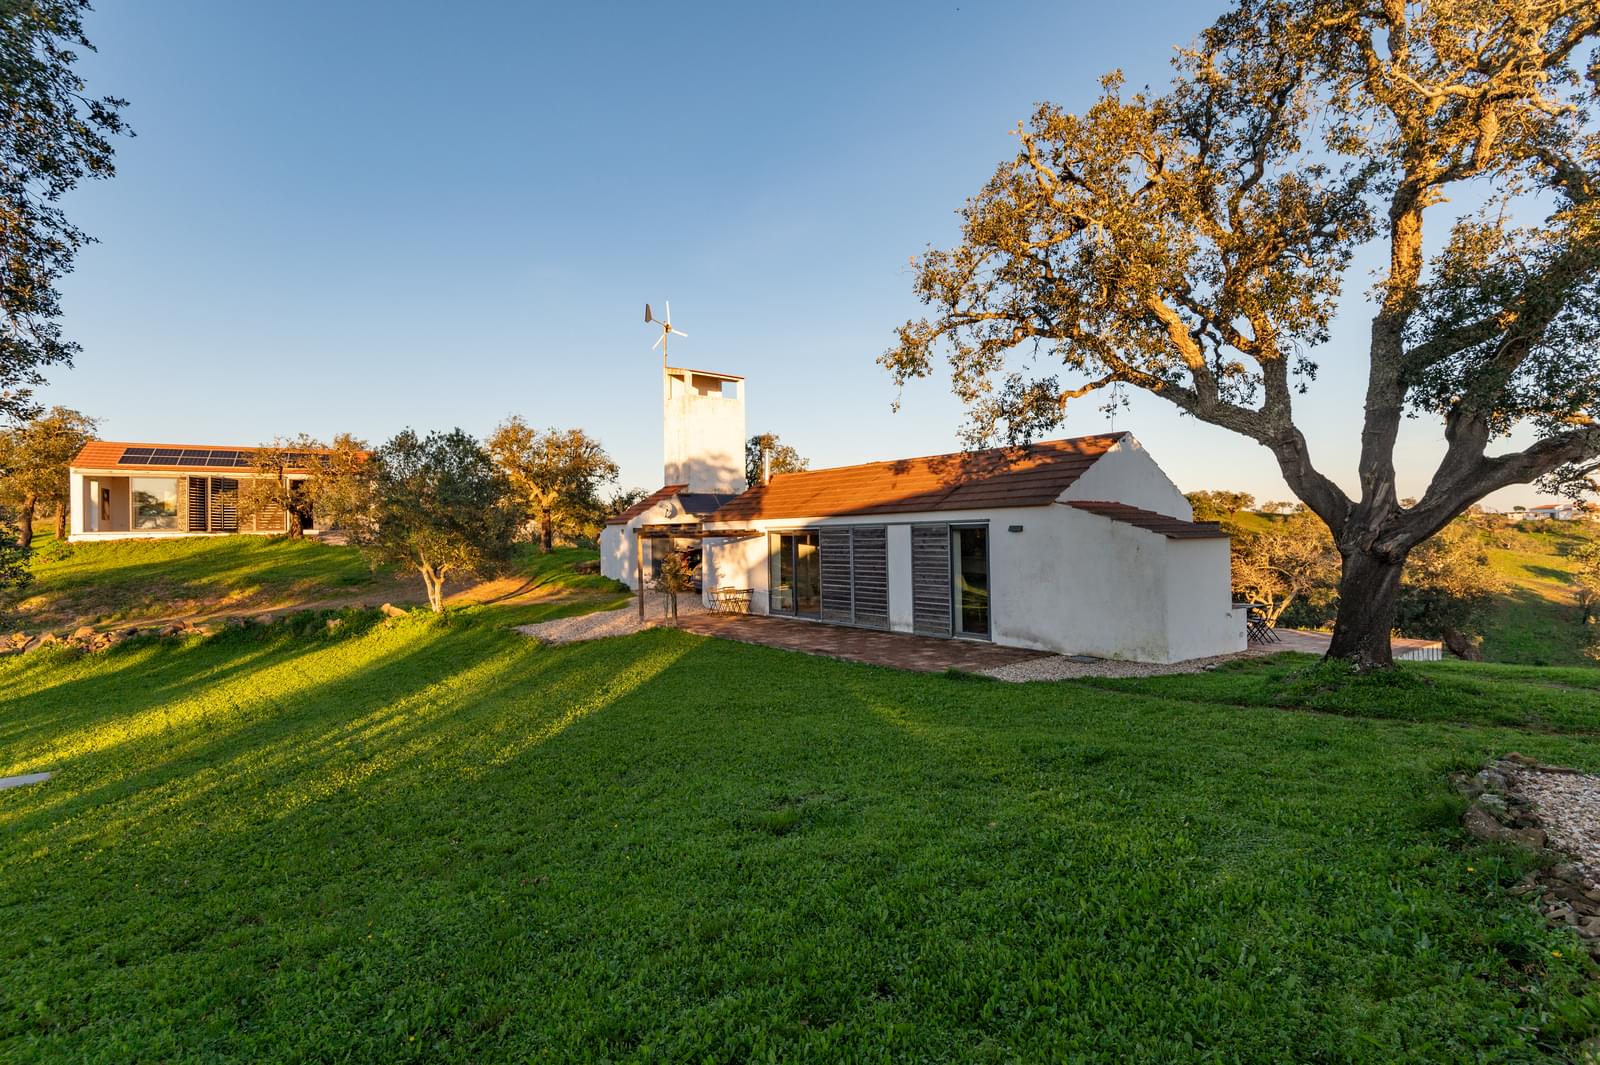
(361, 217)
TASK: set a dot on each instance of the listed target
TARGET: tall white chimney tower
(702, 415)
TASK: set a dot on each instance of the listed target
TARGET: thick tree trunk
(547, 535)
(61, 524)
(25, 522)
(1367, 590)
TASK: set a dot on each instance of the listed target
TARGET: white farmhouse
(1078, 546)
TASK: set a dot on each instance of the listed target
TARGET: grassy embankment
(426, 840)
(134, 581)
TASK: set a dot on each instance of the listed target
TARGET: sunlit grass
(432, 840)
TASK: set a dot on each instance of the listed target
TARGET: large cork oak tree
(1196, 244)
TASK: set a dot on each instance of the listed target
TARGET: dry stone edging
(88, 639)
(1506, 807)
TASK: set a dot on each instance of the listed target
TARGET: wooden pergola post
(638, 566)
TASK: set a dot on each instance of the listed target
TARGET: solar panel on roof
(135, 455)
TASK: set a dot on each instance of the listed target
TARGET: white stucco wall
(703, 434)
(1127, 474)
(616, 552)
(1069, 582)
(1201, 621)
(76, 493)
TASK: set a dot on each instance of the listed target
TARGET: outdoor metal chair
(1258, 626)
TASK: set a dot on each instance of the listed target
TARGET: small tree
(1586, 581)
(267, 490)
(302, 477)
(35, 458)
(14, 558)
(434, 505)
(1215, 506)
(765, 449)
(555, 477)
(673, 578)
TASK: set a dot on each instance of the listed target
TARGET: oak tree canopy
(1195, 243)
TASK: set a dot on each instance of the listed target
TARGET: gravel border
(1060, 667)
(1568, 805)
(622, 621)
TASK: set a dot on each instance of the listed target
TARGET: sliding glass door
(969, 564)
(795, 586)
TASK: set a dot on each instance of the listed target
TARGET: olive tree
(52, 137)
(765, 454)
(35, 467)
(1194, 243)
(434, 505)
(555, 476)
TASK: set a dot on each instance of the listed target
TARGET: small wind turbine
(666, 329)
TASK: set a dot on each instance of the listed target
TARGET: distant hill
(1535, 622)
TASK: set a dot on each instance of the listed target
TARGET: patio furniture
(1258, 625)
(730, 600)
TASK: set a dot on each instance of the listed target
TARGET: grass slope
(112, 582)
(1535, 622)
(433, 840)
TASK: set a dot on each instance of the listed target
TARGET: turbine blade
(657, 344)
(679, 332)
(668, 318)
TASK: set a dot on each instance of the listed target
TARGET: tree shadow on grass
(473, 847)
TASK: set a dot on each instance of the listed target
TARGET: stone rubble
(1516, 800)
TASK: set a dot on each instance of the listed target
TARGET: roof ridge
(950, 455)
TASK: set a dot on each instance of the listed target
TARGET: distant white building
(1568, 511)
(1078, 546)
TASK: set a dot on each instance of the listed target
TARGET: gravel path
(1060, 667)
(619, 622)
(1569, 812)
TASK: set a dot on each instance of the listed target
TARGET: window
(155, 502)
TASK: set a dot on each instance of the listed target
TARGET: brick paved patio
(900, 650)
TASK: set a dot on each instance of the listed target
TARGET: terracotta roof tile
(1168, 526)
(1029, 476)
(664, 493)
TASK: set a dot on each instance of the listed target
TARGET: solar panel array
(187, 456)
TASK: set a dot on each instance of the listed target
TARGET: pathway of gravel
(1569, 812)
(1061, 667)
(619, 622)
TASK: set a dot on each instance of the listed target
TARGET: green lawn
(115, 582)
(429, 840)
(127, 580)
(1535, 620)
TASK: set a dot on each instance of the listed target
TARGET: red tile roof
(107, 455)
(1029, 476)
(1168, 526)
(659, 495)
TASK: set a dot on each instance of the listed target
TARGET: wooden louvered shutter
(224, 504)
(870, 571)
(930, 579)
(199, 489)
(835, 545)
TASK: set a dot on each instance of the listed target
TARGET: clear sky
(365, 216)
